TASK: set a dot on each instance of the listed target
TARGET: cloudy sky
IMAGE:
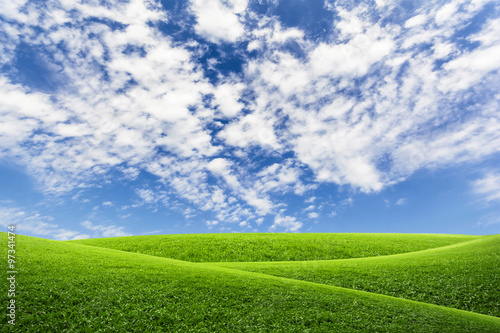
(181, 116)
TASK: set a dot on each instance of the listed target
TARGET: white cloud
(189, 213)
(353, 58)
(365, 108)
(253, 129)
(288, 223)
(211, 224)
(488, 187)
(313, 215)
(34, 224)
(401, 202)
(348, 137)
(150, 197)
(489, 35)
(130, 173)
(310, 207)
(281, 178)
(226, 96)
(272, 33)
(347, 202)
(469, 69)
(310, 200)
(443, 50)
(488, 220)
(108, 129)
(105, 231)
(222, 168)
(362, 44)
(219, 20)
(416, 20)
(22, 113)
(63, 234)
(445, 13)
(262, 204)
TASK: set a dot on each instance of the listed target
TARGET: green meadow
(274, 247)
(258, 283)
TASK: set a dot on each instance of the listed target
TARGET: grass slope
(66, 287)
(275, 247)
(463, 276)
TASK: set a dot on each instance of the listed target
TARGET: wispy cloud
(149, 196)
(34, 224)
(488, 187)
(401, 202)
(488, 220)
(105, 231)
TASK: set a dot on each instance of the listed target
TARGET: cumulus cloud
(211, 224)
(107, 128)
(34, 224)
(285, 224)
(345, 139)
(226, 97)
(256, 129)
(313, 215)
(364, 107)
(219, 20)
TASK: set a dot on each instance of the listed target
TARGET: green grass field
(274, 247)
(464, 276)
(84, 287)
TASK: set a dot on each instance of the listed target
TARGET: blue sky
(156, 117)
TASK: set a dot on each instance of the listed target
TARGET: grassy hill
(464, 276)
(72, 287)
(274, 247)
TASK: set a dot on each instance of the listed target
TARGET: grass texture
(274, 247)
(72, 287)
(464, 276)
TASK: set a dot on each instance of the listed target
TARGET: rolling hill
(73, 287)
